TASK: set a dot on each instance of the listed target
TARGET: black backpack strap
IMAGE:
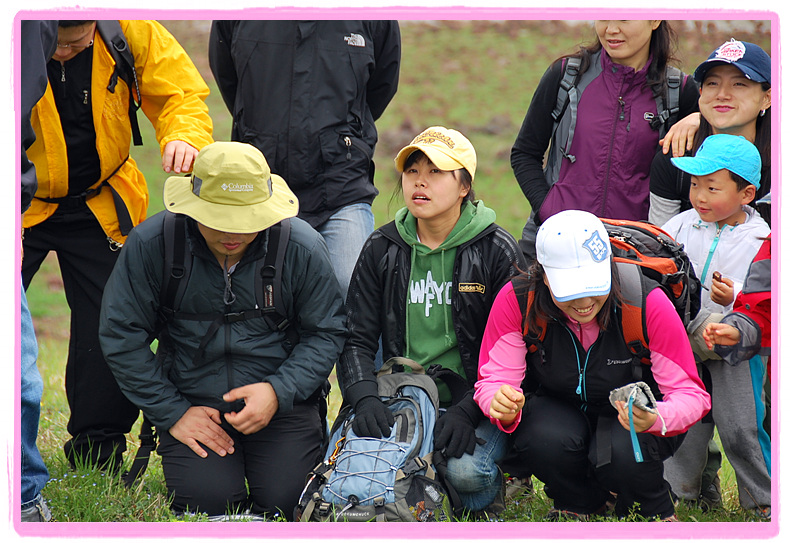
(148, 439)
(440, 466)
(570, 75)
(268, 280)
(458, 385)
(668, 104)
(112, 34)
(178, 264)
(565, 97)
(125, 224)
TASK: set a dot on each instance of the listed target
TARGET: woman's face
(582, 310)
(627, 42)
(731, 103)
(432, 194)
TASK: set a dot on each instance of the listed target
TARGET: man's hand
(178, 157)
(260, 405)
(643, 420)
(201, 424)
(681, 135)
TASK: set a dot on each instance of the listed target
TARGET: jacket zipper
(581, 389)
(349, 144)
(711, 251)
(621, 117)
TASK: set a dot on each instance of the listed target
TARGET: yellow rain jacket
(173, 98)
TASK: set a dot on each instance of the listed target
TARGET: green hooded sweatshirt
(430, 336)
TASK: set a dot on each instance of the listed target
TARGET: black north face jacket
(307, 93)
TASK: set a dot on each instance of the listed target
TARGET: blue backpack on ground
(383, 479)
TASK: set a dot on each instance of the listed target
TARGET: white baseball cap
(573, 248)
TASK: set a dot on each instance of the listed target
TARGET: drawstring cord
(228, 296)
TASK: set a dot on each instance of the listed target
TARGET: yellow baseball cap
(448, 149)
(231, 189)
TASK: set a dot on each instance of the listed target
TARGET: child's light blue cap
(724, 152)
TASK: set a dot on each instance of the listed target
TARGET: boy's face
(716, 198)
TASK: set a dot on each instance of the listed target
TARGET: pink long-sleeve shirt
(503, 360)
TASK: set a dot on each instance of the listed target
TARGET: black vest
(563, 369)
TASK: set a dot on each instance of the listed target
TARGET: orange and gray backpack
(645, 257)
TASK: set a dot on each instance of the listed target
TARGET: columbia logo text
(238, 187)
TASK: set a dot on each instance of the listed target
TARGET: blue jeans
(345, 232)
(34, 473)
(476, 477)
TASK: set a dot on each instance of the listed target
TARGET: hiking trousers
(273, 463)
(738, 405)
(99, 413)
(582, 459)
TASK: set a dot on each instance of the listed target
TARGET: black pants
(100, 414)
(273, 463)
(570, 453)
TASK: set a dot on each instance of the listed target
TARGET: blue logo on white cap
(598, 249)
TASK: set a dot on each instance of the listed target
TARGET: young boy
(722, 235)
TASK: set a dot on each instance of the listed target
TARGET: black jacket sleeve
(366, 295)
(383, 81)
(534, 138)
(221, 61)
(38, 41)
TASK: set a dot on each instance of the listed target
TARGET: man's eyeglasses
(74, 46)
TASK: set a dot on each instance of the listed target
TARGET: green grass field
(475, 76)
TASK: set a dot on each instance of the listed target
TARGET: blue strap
(634, 441)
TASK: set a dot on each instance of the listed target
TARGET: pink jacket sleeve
(685, 400)
(502, 353)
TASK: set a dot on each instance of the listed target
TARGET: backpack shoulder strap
(112, 34)
(633, 290)
(668, 104)
(178, 264)
(525, 303)
(570, 76)
(268, 280)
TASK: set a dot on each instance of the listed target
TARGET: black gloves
(372, 418)
(455, 430)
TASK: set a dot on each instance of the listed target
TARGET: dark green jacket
(164, 389)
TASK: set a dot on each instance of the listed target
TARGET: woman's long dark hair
(543, 308)
(663, 47)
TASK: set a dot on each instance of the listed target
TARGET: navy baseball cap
(724, 152)
(747, 57)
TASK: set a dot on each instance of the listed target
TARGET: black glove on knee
(455, 430)
(372, 418)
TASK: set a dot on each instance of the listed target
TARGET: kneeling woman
(423, 286)
(556, 404)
